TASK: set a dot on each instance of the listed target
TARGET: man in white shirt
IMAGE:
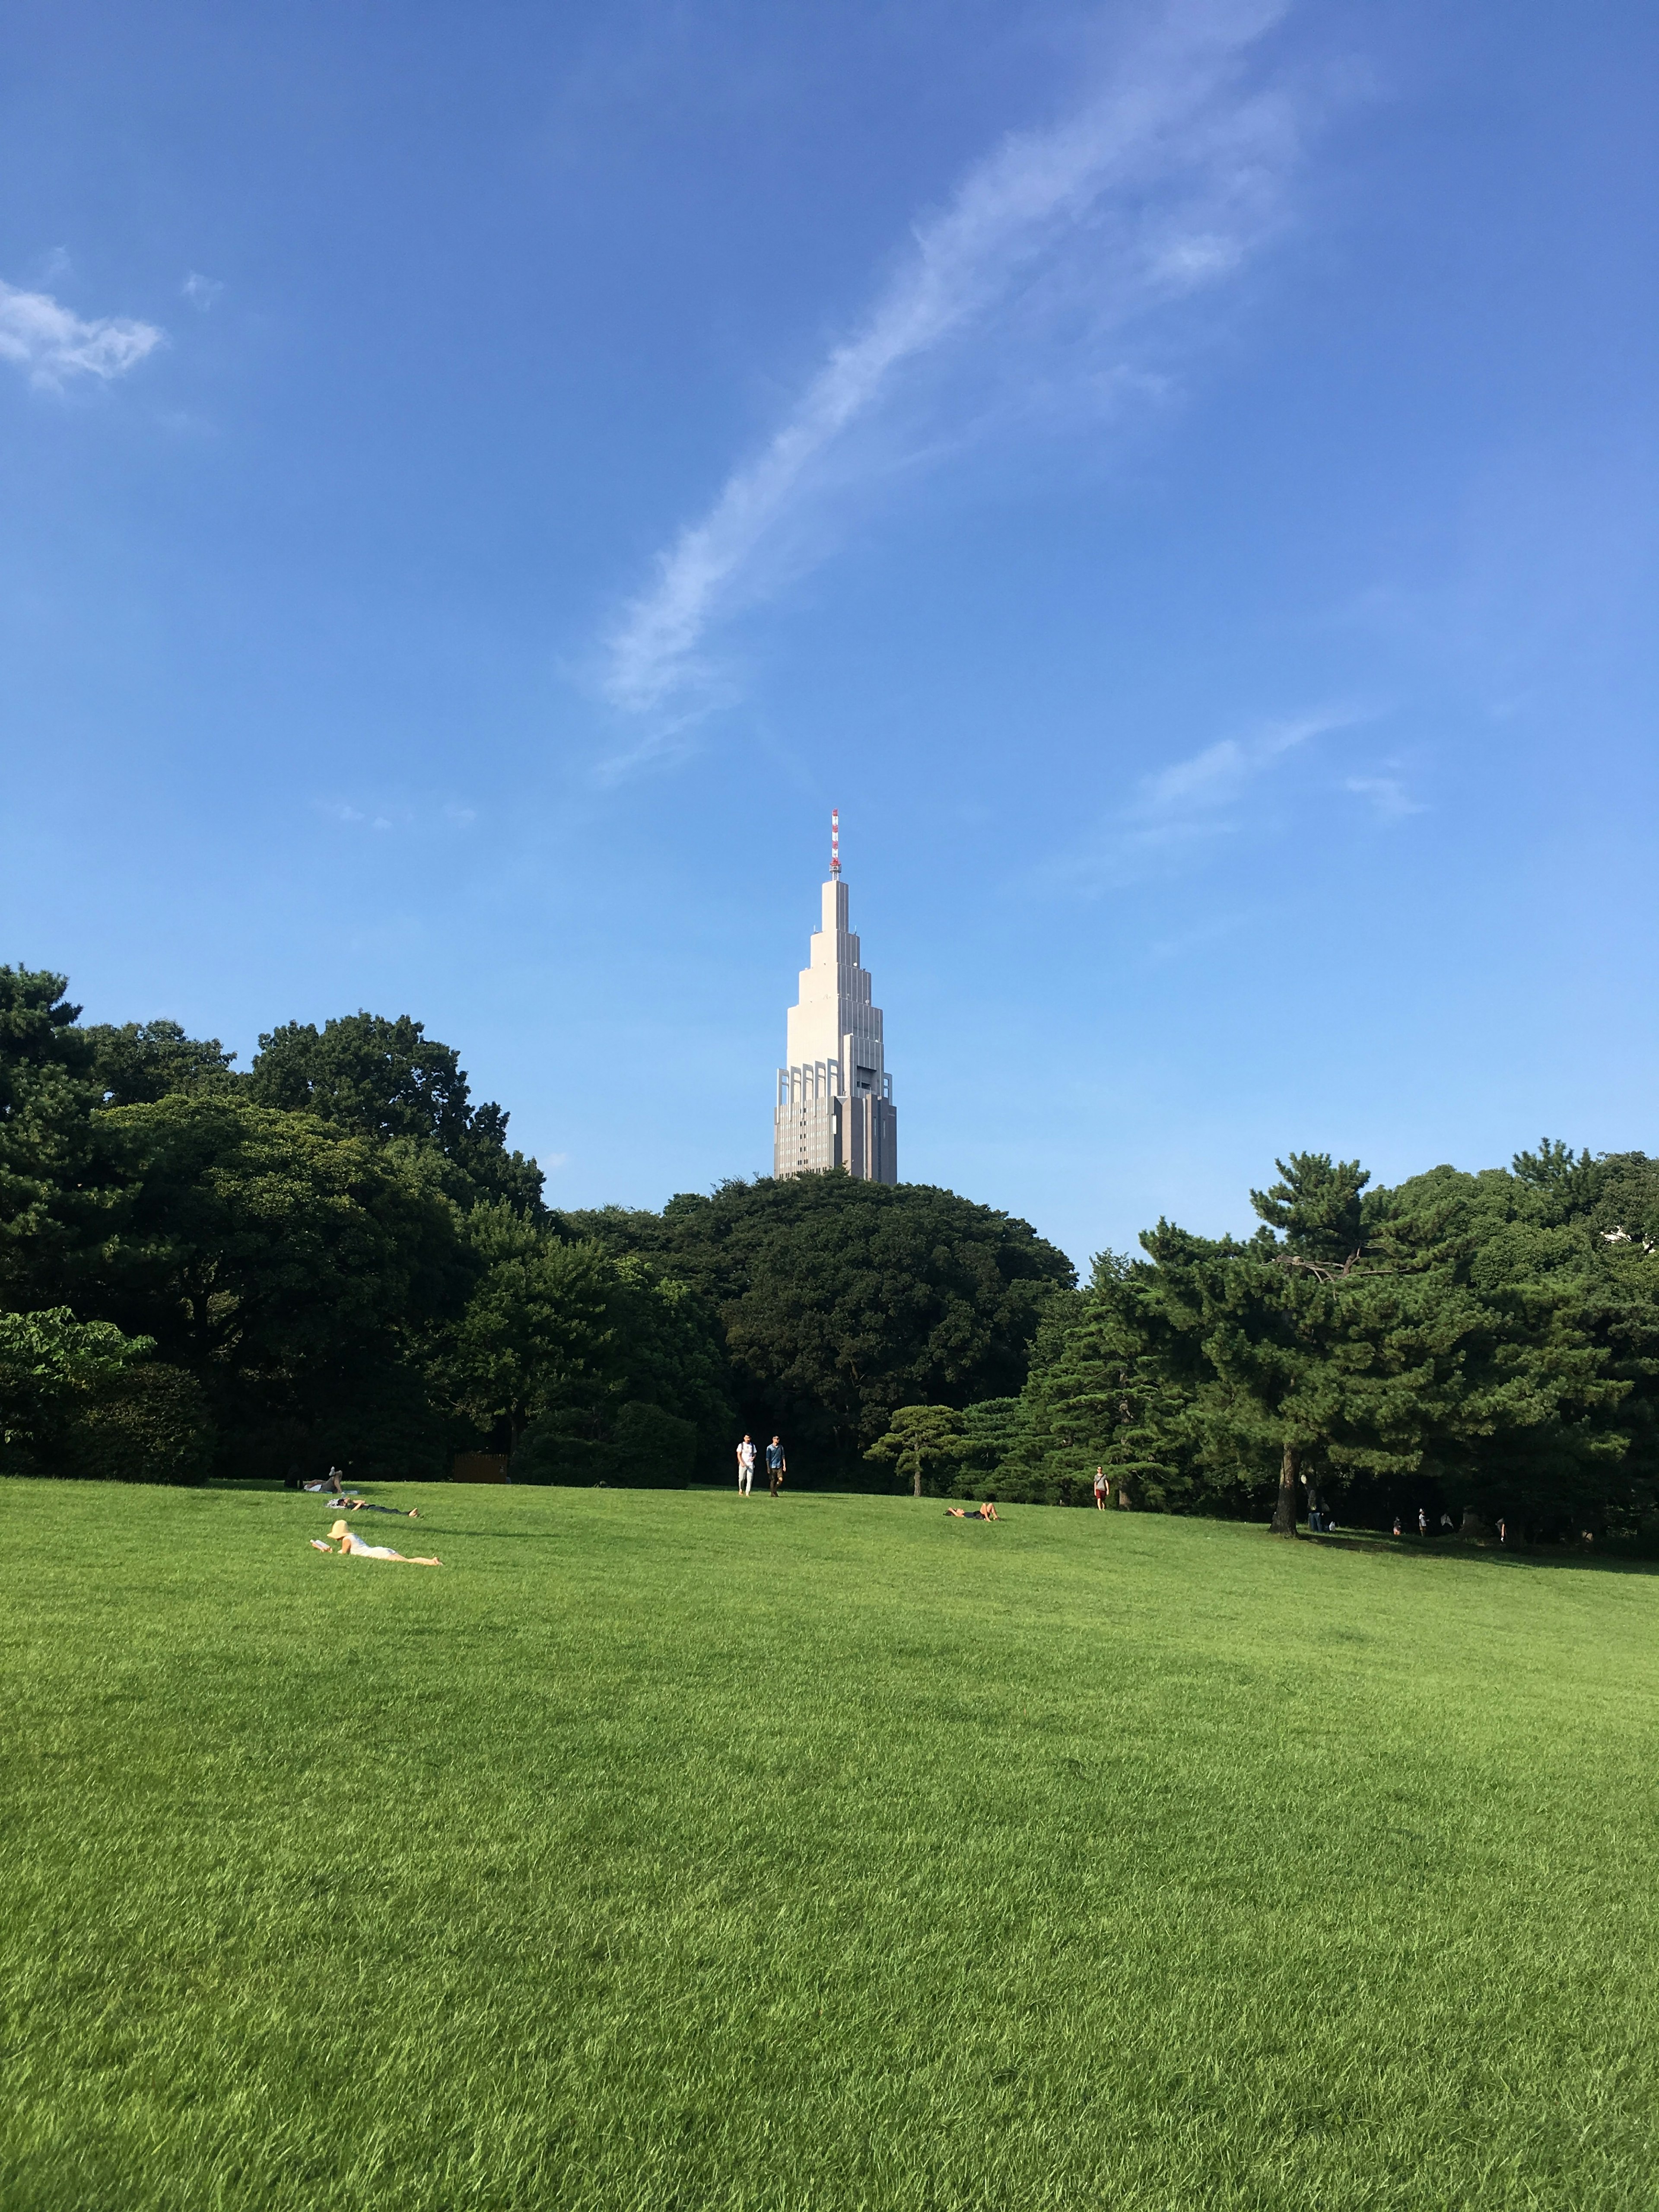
(745, 1466)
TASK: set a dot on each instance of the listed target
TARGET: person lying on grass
(354, 1547)
(352, 1504)
(986, 1513)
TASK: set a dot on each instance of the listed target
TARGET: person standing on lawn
(745, 1465)
(1103, 1490)
(776, 1466)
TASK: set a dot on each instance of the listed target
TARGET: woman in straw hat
(354, 1547)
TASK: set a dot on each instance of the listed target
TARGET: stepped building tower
(835, 1097)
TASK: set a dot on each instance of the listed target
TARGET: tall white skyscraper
(835, 1097)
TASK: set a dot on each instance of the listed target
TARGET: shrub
(152, 1426)
(639, 1445)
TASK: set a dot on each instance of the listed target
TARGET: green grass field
(662, 1850)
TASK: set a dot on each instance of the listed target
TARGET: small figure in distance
(1503, 1532)
(1396, 1524)
(354, 1547)
(745, 1465)
(1103, 1490)
(986, 1513)
(1422, 1522)
(776, 1466)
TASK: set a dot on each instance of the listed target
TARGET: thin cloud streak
(1387, 797)
(53, 344)
(1170, 173)
(1182, 811)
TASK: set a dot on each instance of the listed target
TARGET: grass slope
(662, 1850)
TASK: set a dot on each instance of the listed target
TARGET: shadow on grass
(1568, 1558)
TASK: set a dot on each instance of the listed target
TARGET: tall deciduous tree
(842, 1300)
(283, 1262)
(537, 1335)
(387, 1079)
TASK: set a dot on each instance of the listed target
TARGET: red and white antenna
(834, 843)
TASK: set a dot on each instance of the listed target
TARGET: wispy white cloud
(201, 291)
(1161, 183)
(1386, 795)
(1179, 812)
(1194, 790)
(451, 815)
(53, 345)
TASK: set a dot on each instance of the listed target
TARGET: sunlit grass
(666, 1851)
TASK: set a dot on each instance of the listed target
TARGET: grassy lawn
(668, 1851)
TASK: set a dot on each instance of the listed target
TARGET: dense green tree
(1440, 1330)
(1101, 1395)
(284, 1263)
(52, 1367)
(670, 1354)
(1317, 1208)
(561, 1338)
(995, 1448)
(54, 1196)
(153, 1424)
(388, 1080)
(139, 1062)
(537, 1335)
(922, 1440)
(842, 1300)
(1557, 1385)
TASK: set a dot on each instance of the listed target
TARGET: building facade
(835, 1105)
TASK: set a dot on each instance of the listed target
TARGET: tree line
(1485, 1345)
(335, 1256)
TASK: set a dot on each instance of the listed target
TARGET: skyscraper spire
(835, 1107)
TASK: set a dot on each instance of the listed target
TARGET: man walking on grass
(776, 1467)
(745, 1465)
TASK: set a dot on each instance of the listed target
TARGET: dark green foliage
(1316, 1208)
(924, 1446)
(635, 1445)
(669, 1354)
(141, 1061)
(995, 1452)
(556, 1329)
(151, 1424)
(284, 1263)
(1102, 1395)
(388, 1080)
(53, 1369)
(536, 1337)
(53, 1203)
(1485, 1343)
(335, 1258)
(842, 1301)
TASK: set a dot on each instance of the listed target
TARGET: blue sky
(478, 484)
